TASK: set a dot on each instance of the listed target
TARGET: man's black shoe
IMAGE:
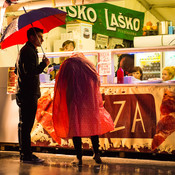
(32, 159)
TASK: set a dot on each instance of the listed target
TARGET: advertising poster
(11, 81)
(144, 119)
(108, 19)
(104, 63)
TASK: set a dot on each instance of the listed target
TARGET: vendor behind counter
(126, 62)
(68, 45)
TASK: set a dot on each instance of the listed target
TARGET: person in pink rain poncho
(77, 105)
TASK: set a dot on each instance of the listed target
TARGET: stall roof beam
(163, 5)
(152, 10)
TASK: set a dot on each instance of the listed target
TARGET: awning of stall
(154, 10)
(162, 10)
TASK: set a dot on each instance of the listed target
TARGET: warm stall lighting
(1, 19)
(113, 51)
(73, 2)
(53, 3)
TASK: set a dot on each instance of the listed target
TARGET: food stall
(143, 112)
(139, 110)
(140, 124)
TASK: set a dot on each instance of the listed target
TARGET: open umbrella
(45, 18)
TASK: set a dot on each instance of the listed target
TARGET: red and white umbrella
(45, 18)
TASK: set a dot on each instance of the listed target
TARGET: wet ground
(59, 164)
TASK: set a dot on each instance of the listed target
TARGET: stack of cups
(163, 27)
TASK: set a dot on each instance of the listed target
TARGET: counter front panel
(144, 119)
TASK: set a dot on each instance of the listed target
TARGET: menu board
(150, 63)
(101, 41)
(104, 63)
(169, 59)
(11, 81)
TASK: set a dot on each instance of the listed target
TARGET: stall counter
(143, 116)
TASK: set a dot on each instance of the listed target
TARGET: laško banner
(108, 19)
(144, 120)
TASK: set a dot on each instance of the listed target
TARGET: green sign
(108, 19)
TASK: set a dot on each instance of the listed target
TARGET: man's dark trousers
(27, 111)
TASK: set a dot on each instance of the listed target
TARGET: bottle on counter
(170, 28)
(120, 76)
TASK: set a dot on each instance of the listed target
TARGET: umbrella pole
(36, 34)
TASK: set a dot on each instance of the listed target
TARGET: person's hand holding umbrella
(46, 60)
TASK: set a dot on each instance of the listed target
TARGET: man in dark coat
(28, 91)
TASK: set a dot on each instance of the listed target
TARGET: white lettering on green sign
(112, 20)
(72, 12)
(123, 22)
(81, 12)
(93, 17)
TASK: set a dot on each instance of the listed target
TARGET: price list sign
(104, 63)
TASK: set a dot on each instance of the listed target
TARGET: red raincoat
(77, 106)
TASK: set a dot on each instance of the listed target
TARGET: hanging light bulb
(2, 10)
(73, 2)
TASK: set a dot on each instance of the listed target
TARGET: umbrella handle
(24, 9)
(36, 35)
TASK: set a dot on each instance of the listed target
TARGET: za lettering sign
(134, 115)
(109, 19)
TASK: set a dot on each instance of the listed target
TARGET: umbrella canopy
(44, 18)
